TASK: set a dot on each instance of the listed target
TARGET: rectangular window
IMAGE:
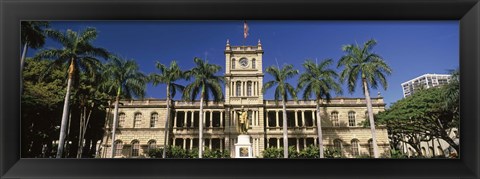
(135, 149)
(351, 119)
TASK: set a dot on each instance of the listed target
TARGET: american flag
(245, 29)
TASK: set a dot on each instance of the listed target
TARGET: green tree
(207, 84)
(127, 80)
(168, 76)
(283, 90)
(318, 80)
(421, 117)
(77, 51)
(372, 70)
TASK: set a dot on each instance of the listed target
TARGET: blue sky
(411, 48)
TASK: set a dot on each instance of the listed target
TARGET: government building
(141, 123)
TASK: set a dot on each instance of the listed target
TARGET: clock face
(243, 62)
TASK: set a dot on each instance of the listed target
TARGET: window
(334, 118)
(337, 145)
(250, 118)
(253, 64)
(233, 63)
(152, 144)
(239, 88)
(351, 118)
(118, 148)
(370, 147)
(137, 119)
(354, 147)
(135, 148)
(121, 119)
(249, 88)
(153, 119)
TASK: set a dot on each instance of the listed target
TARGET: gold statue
(243, 121)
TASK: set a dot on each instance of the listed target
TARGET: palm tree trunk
(370, 116)
(80, 132)
(165, 141)
(319, 129)
(114, 124)
(285, 137)
(63, 126)
(200, 126)
(22, 62)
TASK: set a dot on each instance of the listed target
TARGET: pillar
(175, 120)
(303, 117)
(192, 120)
(276, 120)
(296, 119)
(221, 118)
(185, 119)
(266, 118)
(211, 118)
(278, 143)
(298, 145)
(313, 118)
(184, 143)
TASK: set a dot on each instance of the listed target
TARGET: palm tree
(127, 80)
(318, 80)
(80, 54)
(206, 83)
(168, 76)
(33, 36)
(371, 68)
(283, 89)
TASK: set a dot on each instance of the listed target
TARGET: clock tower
(243, 93)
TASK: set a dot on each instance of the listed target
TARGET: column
(313, 118)
(185, 119)
(221, 118)
(184, 143)
(304, 142)
(266, 120)
(175, 120)
(204, 120)
(173, 141)
(234, 89)
(192, 120)
(303, 119)
(315, 143)
(268, 143)
(211, 118)
(276, 113)
(278, 142)
(210, 144)
(296, 119)
(298, 145)
(191, 143)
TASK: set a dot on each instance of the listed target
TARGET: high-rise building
(141, 122)
(424, 82)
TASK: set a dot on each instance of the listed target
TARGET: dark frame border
(11, 12)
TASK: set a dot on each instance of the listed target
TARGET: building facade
(141, 123)
(424, 82)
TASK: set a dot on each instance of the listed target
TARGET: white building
(425, 81)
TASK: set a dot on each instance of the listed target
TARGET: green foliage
(332, 153)
(318, 80)
(310, 152)
(273, 152)
(396, 154)
(420, 117)
(205, 82)
(179, 152)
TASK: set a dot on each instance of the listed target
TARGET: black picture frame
(12, 12)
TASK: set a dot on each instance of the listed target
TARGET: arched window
(250, 117)
(254, 64)
(153, 119)
(337, 145)
(121, 119)
(334, 118)
(152, 144)
(135, 148)
(370, 147)
(249, 88)
(354, 147)
(233, 63)
(137, 119)
(351, 118)
(239, 88)
(118, 148)
(431, 151)
(440, 151)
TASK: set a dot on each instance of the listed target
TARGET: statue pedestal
(243, 147)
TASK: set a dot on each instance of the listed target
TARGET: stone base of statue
(243, 147)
